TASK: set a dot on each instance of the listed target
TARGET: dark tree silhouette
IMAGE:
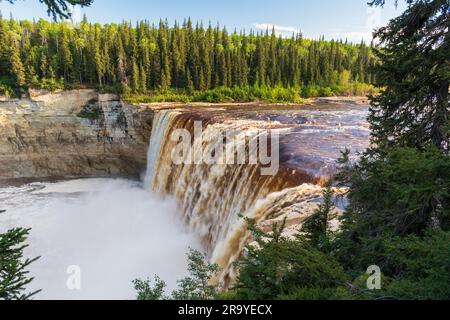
(413, 109)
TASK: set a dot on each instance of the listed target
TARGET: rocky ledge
(78, 133)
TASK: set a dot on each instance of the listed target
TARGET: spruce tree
(135, 82)
(94, 54)
(400, 186)
(14, 277)
(316, 228)
(413, 109)
(16, 69)
(65, 54)
(165, 76)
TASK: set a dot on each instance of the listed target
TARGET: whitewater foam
(114, 230)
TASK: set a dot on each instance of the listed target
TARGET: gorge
(83, 134)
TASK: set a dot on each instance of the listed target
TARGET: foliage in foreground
(402, 198)
(395, 230)
(14, 278)
(146, 291)
(421, 264)
(413, 108)
(291, 269)
(278, 267)
(194, 287)
(316, 229)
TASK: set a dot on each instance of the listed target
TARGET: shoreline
(34, 95)
(355, 100)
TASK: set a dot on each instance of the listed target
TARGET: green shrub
(278, 267)
(310, 91)
(326, 92)
(146, 291)
(422, 265)
(398, 194)
(336, 293)
(91, 111)
(194, 287)
(221, 95)
(52, 84)
(5, 90)
(7, 87)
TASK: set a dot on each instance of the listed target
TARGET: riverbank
(353, 100)
(246, 94)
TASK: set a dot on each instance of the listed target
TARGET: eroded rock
(45, 136)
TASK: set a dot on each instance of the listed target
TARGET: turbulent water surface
(117, 230)
(113, 230)
(213, 196)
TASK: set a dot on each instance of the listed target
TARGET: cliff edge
(78, 133)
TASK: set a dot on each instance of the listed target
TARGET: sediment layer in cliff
(51, 135)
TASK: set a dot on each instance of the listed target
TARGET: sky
(346, 19)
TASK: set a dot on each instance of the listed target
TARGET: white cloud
(353, 36)
(373, 21)
(284, 31)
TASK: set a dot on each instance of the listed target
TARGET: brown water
(212, 197)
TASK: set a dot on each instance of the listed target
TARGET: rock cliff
(77, 133)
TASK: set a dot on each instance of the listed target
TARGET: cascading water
(159, 132)
(213, 197)
(86, 223)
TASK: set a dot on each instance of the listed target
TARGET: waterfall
(159, 132)
(213, 197)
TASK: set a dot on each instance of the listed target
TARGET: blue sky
(351, 19)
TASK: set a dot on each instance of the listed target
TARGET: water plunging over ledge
(211, 197)
(114, 229)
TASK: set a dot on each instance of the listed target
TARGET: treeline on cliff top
(185, 58)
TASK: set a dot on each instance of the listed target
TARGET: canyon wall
(78, 133)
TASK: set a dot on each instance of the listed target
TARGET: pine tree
(13, 267)
(413, 109)
(142, 80)
(316, 229)
(16, 68)
(121, 67)
(65, 54)
(400, 186)
(165, 75)
(94, 54)
(135, 81)
(3, 48)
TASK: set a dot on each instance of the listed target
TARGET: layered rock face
(77, 133)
